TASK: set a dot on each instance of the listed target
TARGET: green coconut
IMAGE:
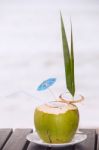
(56, 122)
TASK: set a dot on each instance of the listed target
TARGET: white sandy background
(31, 51)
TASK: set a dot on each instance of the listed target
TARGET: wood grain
(17, 140)
(97, 140)
(4, 136)
(89, 143)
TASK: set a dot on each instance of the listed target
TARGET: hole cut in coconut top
(56, 107)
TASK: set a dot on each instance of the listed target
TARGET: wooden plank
(4, 136)
(97, 141)
(89, 143)
(18, 140)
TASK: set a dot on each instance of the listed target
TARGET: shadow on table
(33, 146)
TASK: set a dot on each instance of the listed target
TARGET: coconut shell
(56, 127)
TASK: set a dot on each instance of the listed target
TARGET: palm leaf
(72, 64)
(68, 60)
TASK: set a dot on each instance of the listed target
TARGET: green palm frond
(68, 59)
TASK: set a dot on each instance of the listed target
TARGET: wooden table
(16, 140)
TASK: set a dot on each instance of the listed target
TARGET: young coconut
(57, 122)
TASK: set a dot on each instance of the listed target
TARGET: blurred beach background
(31, 51)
